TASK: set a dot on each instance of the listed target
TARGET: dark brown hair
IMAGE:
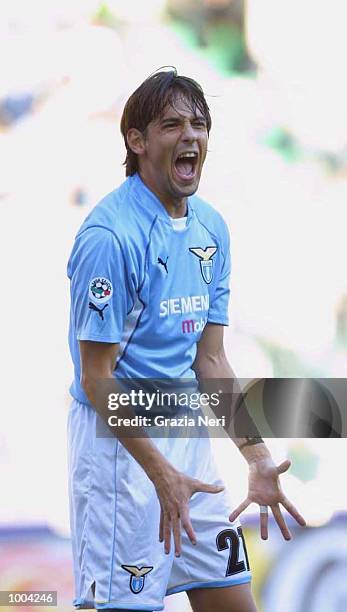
(149, 101)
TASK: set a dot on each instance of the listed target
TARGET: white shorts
(115, 513)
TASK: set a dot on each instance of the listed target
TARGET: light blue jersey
(139, 281)
(150, 283)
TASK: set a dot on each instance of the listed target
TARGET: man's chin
(186, 190)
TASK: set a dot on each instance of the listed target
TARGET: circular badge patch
(100, 290)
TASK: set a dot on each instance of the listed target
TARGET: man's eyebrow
(170, 119)
(176, 119)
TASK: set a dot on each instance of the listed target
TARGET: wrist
(255, 452)
(153, 463)
(249, 441)
(157, 467)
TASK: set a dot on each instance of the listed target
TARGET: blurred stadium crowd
(278, 155)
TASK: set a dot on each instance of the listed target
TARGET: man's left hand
(264, 488)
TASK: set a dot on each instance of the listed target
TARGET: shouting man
(149, 277)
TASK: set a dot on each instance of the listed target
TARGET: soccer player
(149, 277)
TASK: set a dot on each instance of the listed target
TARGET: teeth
(188, 154)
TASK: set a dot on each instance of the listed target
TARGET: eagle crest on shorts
(206, 262)
(137, 576)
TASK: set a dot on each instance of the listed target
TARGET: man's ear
(136, 141)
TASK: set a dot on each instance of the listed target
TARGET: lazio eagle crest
(206, 262)
(137, 577)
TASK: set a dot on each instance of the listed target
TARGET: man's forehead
(180, 107)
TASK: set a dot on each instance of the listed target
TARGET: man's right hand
(174, 491)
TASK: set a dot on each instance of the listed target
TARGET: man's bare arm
(98, 360)
(211, 362)
(173, 488)
(264, 486)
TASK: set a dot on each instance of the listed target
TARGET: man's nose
(188, 132)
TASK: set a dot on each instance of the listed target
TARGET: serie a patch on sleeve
(100, 290)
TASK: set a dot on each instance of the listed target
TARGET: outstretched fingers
(167, 533)
(174, 513)
(203, 487)
(276, 511)
(235, 513)
(284, 466)
(161, 525)
(187, 525)
(176, 529)
(293, 511)
(171, 526)
(264, 522)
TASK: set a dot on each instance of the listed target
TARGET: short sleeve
(218, 311)
(99, 296)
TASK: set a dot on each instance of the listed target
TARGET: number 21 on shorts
(229, 538)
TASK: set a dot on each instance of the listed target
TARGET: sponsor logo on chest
(191, 326)
(183, 305)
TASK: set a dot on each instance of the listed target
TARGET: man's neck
(176, 208)
(176, 211)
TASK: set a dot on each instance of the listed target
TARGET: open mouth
(186, 165)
